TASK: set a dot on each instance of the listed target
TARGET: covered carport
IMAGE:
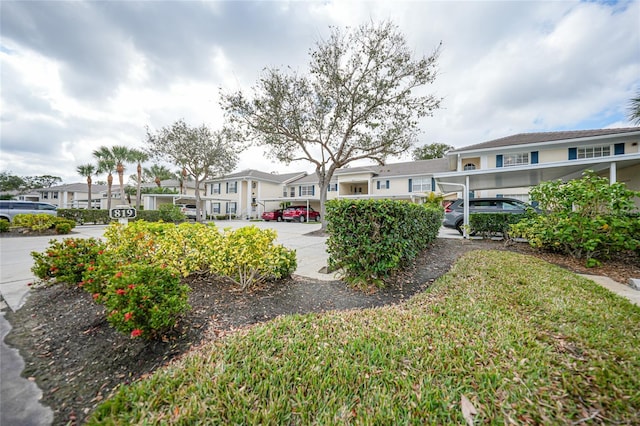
(291, 200)
(529, 175)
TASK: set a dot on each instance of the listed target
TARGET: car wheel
(279, 219)
(302, 219)
(459, 228)
(318, 218)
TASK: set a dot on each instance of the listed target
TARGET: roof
(167, 183)
(73, 187)
(409, 168)
(258, 175)
(532, 138)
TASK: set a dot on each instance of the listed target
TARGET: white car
(10, 208)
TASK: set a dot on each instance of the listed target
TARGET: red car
(300, 214)
(272, 215)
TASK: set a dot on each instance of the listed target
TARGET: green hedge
(83, 216)
(490, 225)
(371, 239)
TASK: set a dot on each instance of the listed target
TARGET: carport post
(465, 204)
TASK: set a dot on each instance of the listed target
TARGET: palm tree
(106, 164)
(138, 156)
(158, 173)
(122, 155)
(87, 170)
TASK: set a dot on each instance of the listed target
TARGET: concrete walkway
(20, 398)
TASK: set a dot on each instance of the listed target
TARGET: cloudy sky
(79, 75)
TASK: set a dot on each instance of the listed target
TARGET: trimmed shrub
(171, 213)
(4, 225)
(83, 216)
(372, 239)
(64, 227)
(66, 260)
(144, 300)
(494, 224)
(587, 218)
(35, 222)
(250, 256)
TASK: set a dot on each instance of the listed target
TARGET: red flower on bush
(128, 316)
(81, 283)
(131, 286)
(121, 292)
(137, 332)
(96, 296)
(118, 274)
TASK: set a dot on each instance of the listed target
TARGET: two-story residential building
(510, 166)
(73, 195)
(247, 193)
(411, 181)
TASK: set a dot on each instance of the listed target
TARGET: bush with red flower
(144, 300)
(66, 260)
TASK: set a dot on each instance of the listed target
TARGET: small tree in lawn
(201, 152)
(356, 103)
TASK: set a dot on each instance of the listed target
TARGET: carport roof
(531, 175)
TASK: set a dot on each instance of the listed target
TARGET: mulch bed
(77, 359)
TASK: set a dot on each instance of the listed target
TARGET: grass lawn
(525, 342)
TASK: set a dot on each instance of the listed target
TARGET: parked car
(300, 213)
(189, 210)
(272, 215)
(10, 208)
(454, 212)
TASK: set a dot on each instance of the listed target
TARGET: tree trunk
(323, 182)
(198, 209)
(89, 182)
(120, 170)
(109, 184)
(138, 186)
(157, 181)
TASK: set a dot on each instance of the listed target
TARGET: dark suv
(454, 214)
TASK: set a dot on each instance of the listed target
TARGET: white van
(10, 208)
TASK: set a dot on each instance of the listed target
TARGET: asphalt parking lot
(16, 261)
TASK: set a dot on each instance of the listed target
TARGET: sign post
(123, 213)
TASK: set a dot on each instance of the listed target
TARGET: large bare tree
(201, 152)
(361, 99)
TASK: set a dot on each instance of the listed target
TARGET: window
(45, 195)
(292, 192)
(54, 195)
(519, 159)
(231, 207)
(422, 184)
(215, 188)
(333, 187)
(469, 166)
(216, 207)
(232, 187)
(594, 151)
(306, 190)
(382, 184)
